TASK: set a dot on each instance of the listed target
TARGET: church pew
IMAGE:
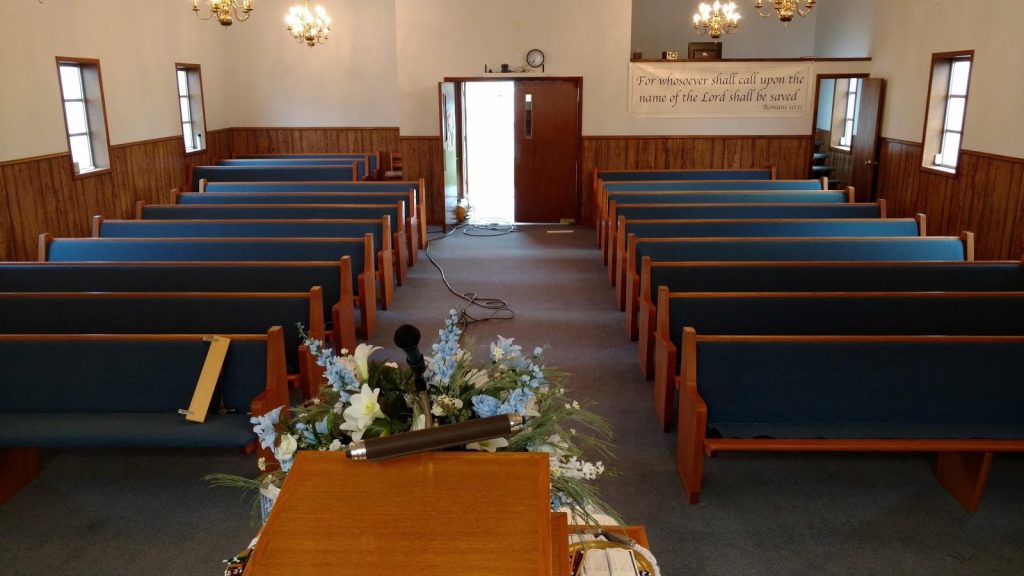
(373, 160)
(601, 209)
(411, 228)
(793, 228)
(334, 277)
(198, 174)
(821, 313)
(957, 396)
(599, 177)
(935, 248)
(124, 391)
(394, 210)
(174, 313)
(361, 164)
(419, 186)
(360, 251)
(716, 197)
(997, 276)
(390, 263)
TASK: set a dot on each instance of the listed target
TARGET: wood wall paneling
(791, 155)
(40, 195)
(313, 140)
(987, 197)
(422, 157)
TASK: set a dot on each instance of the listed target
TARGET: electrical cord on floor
(494, 308)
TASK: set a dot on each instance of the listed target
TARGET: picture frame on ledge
(704, 50)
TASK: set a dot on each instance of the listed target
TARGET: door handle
(870, 163)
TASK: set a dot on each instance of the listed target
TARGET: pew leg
(963, 475)
(18, 467)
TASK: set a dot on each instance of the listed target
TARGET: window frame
(91, 77)
(850, 119)
(934, 133)
(197, 105)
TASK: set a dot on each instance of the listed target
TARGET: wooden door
(449, 108)
(547, 138)
(864, 148)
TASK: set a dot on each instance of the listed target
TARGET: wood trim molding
(800, 59)
(691, 136)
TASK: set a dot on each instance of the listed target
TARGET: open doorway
(511, 148)
(490, 150)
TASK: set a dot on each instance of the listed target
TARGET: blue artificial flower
(321, 426)
(517, 401)
(264, 426)
(486, 406)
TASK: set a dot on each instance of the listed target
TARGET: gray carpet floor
(115, 512)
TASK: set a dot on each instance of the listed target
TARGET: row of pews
(778, 315)
(107, 337)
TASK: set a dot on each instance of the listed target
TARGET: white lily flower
(363, 410)
(361, 357)
(335, 445)
(286, 448)
(488, 445)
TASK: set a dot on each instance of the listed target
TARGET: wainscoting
(40, 195)
(791, 156)
(987, 197)
(312, 140)
(421, 158)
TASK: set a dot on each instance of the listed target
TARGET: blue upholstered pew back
(207, 250)
(803, 249)
(747, 211)
(359, 163)
(389, 186)
(191, 198)
(708, 185)
(270, 173)
(837, 277)
(371, 158)
(771, 228)
(396, 211)
(731, 197)
(175, 277)
(784, 313)
(117, 391)
(190, 313)
(244, 229)
(630, 175)
(863, 388)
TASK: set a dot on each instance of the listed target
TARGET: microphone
(407, 337)
(435, 438)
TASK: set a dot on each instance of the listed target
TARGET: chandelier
(786, 8)
(223, 9)
(717, 18)
(308, 26)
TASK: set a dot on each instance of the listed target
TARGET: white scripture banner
(687, 89)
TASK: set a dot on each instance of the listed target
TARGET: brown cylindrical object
(435, 438)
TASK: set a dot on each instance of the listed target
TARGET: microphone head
(407, 336)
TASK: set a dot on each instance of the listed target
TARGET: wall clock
(535, 58)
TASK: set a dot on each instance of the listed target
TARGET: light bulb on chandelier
(222, 10)
(786, 9)
(309, 27)
(716, 19)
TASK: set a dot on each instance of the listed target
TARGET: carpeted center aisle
(149, 512)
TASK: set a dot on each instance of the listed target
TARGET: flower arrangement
(361, 399)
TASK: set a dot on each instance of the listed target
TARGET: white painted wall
(455, 38)
(137, 43)
(385, 58)
(348, 81)
(661, 25)
(906, 35)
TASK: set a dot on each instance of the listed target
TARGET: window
(190, 104)
(849, 113)
(846, 102)
(947, 106)
(84, 114)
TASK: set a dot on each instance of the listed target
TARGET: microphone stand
(407, 337)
